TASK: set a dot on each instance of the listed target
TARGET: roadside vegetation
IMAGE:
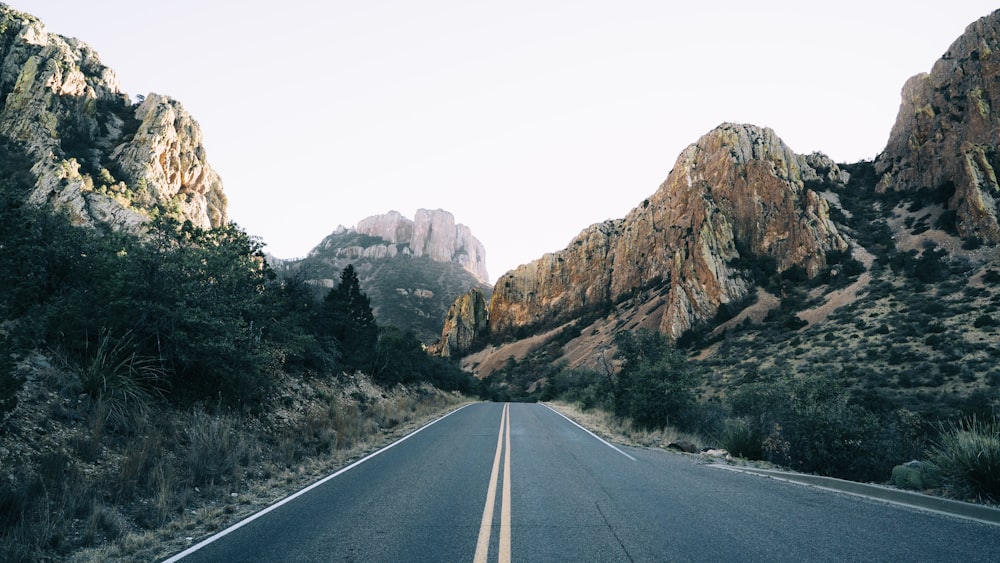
(155, 388)
(813, 423)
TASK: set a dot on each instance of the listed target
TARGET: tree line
(185, 313)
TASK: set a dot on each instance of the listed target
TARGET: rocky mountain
(742, 220)
(737, 194)
(411, 269)
(944, 141)
(95, 153)
(433, 234)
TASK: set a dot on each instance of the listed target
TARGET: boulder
(916, 475)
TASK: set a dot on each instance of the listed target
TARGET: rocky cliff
(739, 198)
(738, 194)
(95, 153)
(467, 319)
(433, 234)
(945, 136)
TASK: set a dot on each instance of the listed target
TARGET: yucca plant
(120, 381)
(968, 453)
(741, 437)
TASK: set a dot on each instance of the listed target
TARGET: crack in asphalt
(613, 532)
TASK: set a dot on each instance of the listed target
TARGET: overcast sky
(528, 120)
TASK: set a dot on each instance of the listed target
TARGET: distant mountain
(411, 270)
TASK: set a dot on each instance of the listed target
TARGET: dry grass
(622, 430)
(82, 490)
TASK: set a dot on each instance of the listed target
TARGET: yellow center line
(486, 524)
(504, 556)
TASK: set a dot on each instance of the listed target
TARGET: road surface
(519, 482)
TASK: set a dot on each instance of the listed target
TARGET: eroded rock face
(467, 319)
(96, 153)
(433, 234)
(945, 135)
(168, 157)
(737, 193)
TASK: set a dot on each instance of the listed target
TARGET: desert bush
(812, 425)
(742, 438)
(984, 321)
(588, 388)
(10, 382)
(655, 385)
(215, 447)
(968, 453)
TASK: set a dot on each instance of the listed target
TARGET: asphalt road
(519, 482)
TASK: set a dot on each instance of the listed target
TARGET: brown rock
(945, 135)
(737, 193)
(467, 319)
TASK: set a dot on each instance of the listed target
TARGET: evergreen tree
(655, 385)
(348, 318)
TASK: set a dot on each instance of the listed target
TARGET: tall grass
(215, 447)
(135, 493)
(968, 453)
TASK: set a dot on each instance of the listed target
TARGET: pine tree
(348, 318)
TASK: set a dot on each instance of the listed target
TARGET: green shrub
(742, 438)
(810, 424)
(968, 454)
(916, 475)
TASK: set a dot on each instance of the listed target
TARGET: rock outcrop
(737, 194)
(95, 153)
(945, 135)
(433, 234)
(467, 319)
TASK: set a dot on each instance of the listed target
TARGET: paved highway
(518, 482)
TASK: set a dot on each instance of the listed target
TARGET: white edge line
(855, 494)
(596, 437)
(294, 496)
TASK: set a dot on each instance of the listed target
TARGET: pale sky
(528, 120)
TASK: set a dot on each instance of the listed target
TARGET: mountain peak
(944, 141)
(96, 154)
(431, 233)
(737, 195)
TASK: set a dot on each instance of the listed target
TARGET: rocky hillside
(97, 154)
(412, 270)
(742, 224)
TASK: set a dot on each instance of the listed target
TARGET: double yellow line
(486, 525)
